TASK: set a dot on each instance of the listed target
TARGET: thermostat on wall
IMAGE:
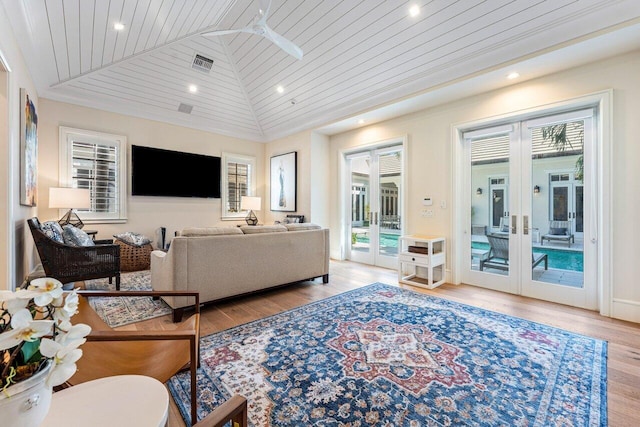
(427, 201)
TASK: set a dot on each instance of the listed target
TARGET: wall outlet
(427, 213)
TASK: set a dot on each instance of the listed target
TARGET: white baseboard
(626, 310)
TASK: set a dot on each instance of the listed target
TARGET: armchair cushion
(558, 231)
(53, 231)
(73, 236)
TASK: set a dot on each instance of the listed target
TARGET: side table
(122, 400)
(91, 233)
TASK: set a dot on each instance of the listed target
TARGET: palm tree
(559, 139)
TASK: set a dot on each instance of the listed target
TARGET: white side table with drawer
(421, 261)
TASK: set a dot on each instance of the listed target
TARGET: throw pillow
(133, 239)
(53, 230)
(257, 229)
(558, 231)
(505, 228)
(74, 236)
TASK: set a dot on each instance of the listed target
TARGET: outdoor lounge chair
(499, 255)
(560, 231)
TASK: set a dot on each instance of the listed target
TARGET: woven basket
(134, 258)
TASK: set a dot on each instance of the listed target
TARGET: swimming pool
(558, 258)
(386, 240)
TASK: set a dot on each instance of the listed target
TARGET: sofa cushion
(302, 226)
(53, 230)
(73, 236)
(560, 231)
(209, 231)
(255, 229)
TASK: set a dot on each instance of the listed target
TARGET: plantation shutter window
(95, 168)
(95, 161)
(238, 179)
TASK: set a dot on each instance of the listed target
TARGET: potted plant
(38, 348)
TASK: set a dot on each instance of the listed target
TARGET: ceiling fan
(260, 27)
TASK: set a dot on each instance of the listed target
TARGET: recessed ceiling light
(513, 75)
(414, 10)
(118, 26)
(193, 88)
(280, 89)
(361, 121)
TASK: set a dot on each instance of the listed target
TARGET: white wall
(430, 159)
(145, 214)
(313, 199)
(17, 249)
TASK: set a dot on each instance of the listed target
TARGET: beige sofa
(223, 262)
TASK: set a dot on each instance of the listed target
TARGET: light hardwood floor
(623, 365)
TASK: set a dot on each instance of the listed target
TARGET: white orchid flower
(48, 289)
(24, 328)
(64, 352)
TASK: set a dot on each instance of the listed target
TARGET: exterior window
(95, 161)
(238, 179)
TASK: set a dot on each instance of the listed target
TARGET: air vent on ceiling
(185, 108)
(202, 63)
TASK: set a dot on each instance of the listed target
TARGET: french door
(375, 206)
(539, 175)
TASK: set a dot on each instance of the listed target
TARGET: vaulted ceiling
(358, 54)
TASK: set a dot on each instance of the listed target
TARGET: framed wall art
(284, 185)
(28, 150)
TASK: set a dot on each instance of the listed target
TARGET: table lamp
(251, 203)
(70, 198)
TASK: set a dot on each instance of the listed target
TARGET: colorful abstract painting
(28, 150)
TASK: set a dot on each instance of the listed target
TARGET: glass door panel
(390, 186)
(360, 224)
(490, 240)
(555, 157)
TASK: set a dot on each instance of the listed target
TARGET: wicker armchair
(73, 263)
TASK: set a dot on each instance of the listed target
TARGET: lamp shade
(69, 198)
(250, 203)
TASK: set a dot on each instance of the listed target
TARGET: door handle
(525, 224)
(514, 224)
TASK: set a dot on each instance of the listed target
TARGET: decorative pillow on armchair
(133, 239)
(558, 231)
(74, 236)
(53, 231)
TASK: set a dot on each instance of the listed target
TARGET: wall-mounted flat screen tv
(157, 172)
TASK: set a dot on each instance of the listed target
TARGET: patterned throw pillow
(73, 236)
(133, 239)
(53, 230)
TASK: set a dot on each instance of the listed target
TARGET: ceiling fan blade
(223, 32)
(283, 43)
(265, 7)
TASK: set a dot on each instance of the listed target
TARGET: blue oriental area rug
(386, 356)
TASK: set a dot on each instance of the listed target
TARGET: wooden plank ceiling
(358, 54)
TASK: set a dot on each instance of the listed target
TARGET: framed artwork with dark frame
(284, 182)
(28, 150)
